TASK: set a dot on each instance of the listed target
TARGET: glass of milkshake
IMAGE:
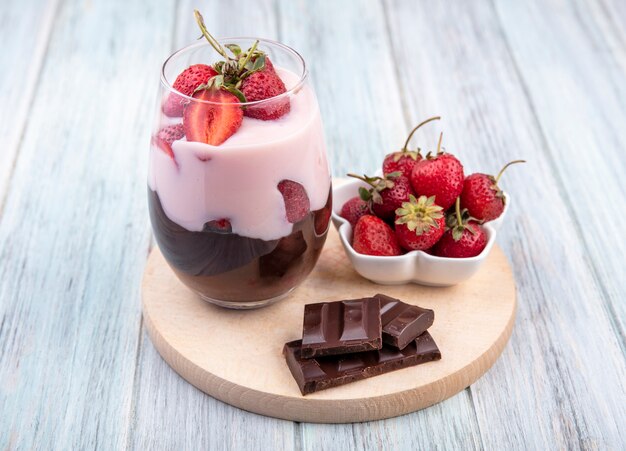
(239, 185)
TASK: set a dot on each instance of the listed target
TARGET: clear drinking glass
(243, 223)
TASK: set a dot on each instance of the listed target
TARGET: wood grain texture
(24, 33)
(580, 105)
(171, 414)
(466, 62)
(236, 356)
(542, 80)
(74, 235)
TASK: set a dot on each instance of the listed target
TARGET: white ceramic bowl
(415, 266)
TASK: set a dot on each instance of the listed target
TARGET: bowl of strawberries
(420, 219)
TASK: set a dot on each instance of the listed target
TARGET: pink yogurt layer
(238, 180)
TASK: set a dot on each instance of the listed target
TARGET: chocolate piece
(341, 327)
(402, 322)
(326, 372)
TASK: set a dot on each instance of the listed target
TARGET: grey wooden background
(543, 80)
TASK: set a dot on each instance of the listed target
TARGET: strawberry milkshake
(239, 183)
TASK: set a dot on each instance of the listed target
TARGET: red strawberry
(440, 176)
(262, 85)
(250, 75)
(166, 136)
(393, 198)
(386, 194)
(186, 83)
(481, 195)
(419, 223)
(468, 243)
(219, 226)
(404, 160)
(322, 219)
(297, 203)
(353, 209)
(464, 237)
(373, 236)
(215, 122)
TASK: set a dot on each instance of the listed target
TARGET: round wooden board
(236, 356)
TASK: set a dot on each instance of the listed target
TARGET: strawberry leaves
(458, 221)
(419, 215)
(234, 48)
(234, 69)
(377, 184)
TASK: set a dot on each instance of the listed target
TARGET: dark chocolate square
(402, 322)
(321, 373)
(341, 327)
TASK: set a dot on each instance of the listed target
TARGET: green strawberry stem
(377, 184)
(457, 206)
(235, 68)
(461, 225)
(216, 45)
(251, 51)
(506, 166)
(387, 178)
(439, 152)
(406, 144)
(363, 178)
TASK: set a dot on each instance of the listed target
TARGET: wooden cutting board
(236, 356)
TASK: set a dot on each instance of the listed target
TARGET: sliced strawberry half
(297, 204)
(166, 136)
(186, 83)
(215, 122)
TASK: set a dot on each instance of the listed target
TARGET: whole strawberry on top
(464, 237)
(405, 160)
(386, 194)
(419, 223)
(440, 175)
(481, 195)
(373, 236)
(263, 85)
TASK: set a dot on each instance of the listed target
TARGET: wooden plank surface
(24, 32)
(74, 234)
(540, 80)
(466, 62)
(579, 103)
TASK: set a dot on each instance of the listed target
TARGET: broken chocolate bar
(326, 372)
(341, 327)
(402, 322)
